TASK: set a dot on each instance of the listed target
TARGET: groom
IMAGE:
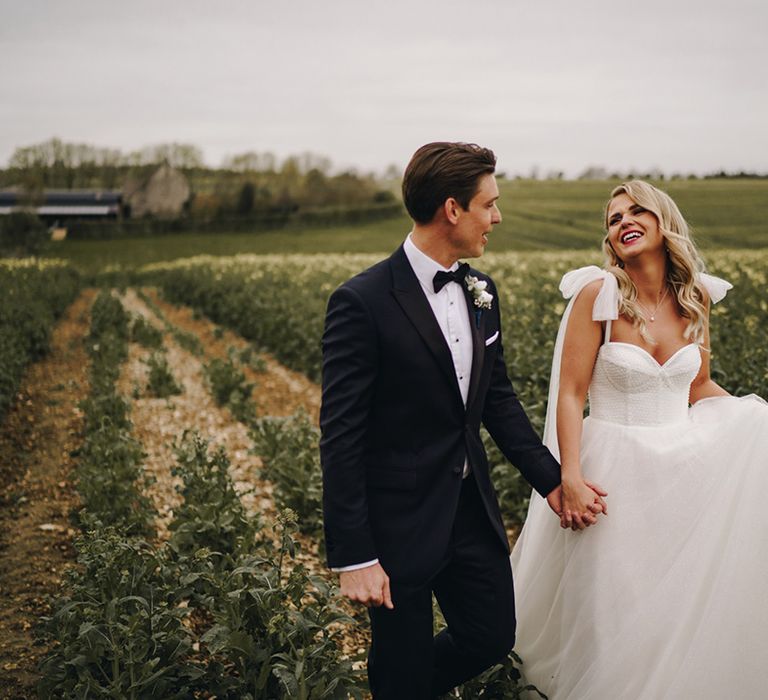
(413, 364)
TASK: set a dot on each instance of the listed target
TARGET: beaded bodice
(630, 387)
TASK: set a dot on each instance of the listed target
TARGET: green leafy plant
(212, 516)
(160, 382)
(118, 631)
(108, 318)
(289, 450)
(146, 334)
(273, 628)
(22, 233)
(250, 357)
(500, 682)
(111, 482)
(34, 294)
(229, 388)
(188, 341)
(278, 629)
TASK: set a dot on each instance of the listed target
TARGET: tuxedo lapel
(409, 294)
(477, 324)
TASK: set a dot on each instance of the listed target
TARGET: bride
(666, 597)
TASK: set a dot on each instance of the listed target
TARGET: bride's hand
(582, 502)
(601, 493)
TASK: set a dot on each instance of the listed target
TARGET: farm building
(163, 195)
(61, 205)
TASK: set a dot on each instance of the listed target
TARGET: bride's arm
(583, 337)
(703, 386)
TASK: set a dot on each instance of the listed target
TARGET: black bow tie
(442, 278)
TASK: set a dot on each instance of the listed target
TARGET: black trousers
(474, 590)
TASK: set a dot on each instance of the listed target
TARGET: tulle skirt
(666, 597)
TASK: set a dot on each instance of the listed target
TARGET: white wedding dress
(666, 597)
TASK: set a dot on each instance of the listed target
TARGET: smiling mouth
(630, 236)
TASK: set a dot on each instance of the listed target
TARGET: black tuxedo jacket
(395, 431)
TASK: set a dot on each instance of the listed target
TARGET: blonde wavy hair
(683, 262)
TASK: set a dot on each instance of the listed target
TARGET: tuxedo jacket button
(457, 470)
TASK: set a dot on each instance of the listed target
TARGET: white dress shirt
(449, 306)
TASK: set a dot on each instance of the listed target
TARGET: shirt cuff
(354, 567)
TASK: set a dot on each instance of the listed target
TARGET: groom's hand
(555, 500)
(369, 586)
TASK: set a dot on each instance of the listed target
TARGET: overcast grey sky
(680, 85)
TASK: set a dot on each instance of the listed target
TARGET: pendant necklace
(652, 315)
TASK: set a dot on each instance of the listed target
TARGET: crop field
(33, 296)
(278, 301)
(546, 216)
(160, 496)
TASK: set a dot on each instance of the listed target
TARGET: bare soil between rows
(38, 440)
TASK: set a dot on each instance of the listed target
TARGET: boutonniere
(480, 297)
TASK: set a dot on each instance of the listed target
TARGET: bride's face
(632, 229)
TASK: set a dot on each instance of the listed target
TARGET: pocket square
(488, 341)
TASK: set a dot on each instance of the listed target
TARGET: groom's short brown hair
(441, 170)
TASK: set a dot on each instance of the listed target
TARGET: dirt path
(158, 423)
(37, 440)
(280, 391)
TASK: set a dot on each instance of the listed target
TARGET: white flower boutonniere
(476, 287)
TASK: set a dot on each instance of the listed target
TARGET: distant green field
(537, 215)
(724, 213)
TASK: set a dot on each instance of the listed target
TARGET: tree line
(247, 184)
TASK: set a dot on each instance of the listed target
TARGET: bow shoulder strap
(716, 287)
(606, 308)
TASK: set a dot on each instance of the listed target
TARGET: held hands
(578, 502)
(369, 586)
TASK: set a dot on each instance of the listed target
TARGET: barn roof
(64, 202)
(67, 198)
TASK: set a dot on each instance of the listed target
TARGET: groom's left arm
(510, 428)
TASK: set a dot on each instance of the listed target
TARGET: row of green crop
(112, 614)
(220, 610)
(278, 302)
(110, 479)
(32, 296)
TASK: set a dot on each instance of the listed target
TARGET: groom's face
(470, 233)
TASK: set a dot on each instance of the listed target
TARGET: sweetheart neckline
(660, 365)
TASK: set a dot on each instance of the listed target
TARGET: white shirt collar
(424, 266)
